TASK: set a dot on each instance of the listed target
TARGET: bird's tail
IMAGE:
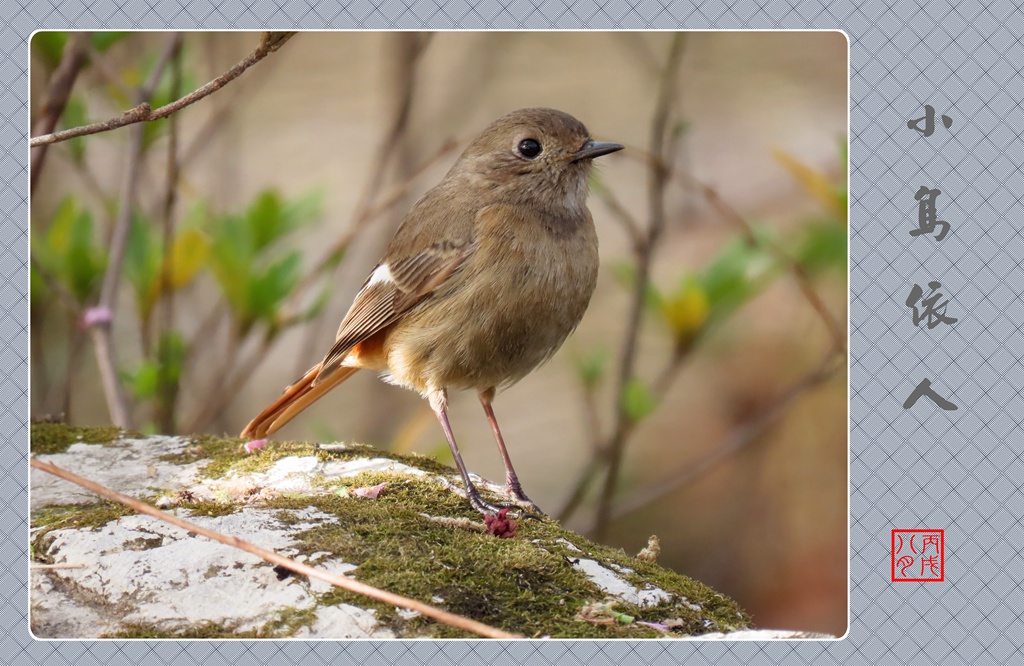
(295, 398)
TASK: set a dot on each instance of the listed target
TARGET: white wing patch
(380, 274)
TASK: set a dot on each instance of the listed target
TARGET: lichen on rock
(118, 574)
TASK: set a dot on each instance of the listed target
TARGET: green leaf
(142, 258)
(84, 263)
(172, 350)
(142, 383)
(58, 234)
(267, 222)
(637, 400)
(592, 366)
(739, 272)
(39, 291)
(268, 289)
(622, 618)
(49, 44)
(304, 209)
(822, 247)
(101, 41)
(231, 260)
(271, 217)
(681, 128)
(246, 261)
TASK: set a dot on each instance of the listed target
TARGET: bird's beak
(592, 149)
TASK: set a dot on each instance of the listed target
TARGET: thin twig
(663, 382)
(58, 92)
(221, 112)
(594, 465)
(337, 580)
(688, 180)
(662, 145)
(599, 454)
(270, 42)
(597, 459)
(622, 215)
(836, 331)
(167, 391)
(101, 328)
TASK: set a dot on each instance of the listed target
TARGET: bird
(484, 279)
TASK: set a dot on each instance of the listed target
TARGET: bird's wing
(394, 287)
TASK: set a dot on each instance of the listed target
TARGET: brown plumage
(484, 279)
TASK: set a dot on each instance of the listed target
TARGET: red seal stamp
(918, 556)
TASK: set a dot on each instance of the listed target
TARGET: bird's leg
(512, 485)
(439, 403)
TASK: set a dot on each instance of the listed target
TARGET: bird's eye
(529, 148)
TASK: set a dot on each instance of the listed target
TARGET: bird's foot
(518, 498)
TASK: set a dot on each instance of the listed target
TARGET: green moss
(210, 448)
(204, 630)
(288, 621)
(285, 623)
(71, 516)
(226, 455)
(525, 585)
(78, 516)
(210, 508)
(50, 438)
(511, 584)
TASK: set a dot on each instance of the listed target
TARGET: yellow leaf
(188, 256)
(817, 183)
(686, 310)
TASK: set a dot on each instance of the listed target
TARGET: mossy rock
(136, 576)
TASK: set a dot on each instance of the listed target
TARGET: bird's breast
(510, 308)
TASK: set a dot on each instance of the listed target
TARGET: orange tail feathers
(295, 398)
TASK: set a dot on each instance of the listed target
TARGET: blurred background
(185, 271)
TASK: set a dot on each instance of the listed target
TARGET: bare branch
(622, 215)
(167, 391)
(270, 42)
(663, 145)
(101, 324)
(57, 94)
(337, 580)
(835, 328)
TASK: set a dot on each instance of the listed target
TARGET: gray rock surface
(125, 574)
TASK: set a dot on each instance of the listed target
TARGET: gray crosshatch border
(920, 468)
